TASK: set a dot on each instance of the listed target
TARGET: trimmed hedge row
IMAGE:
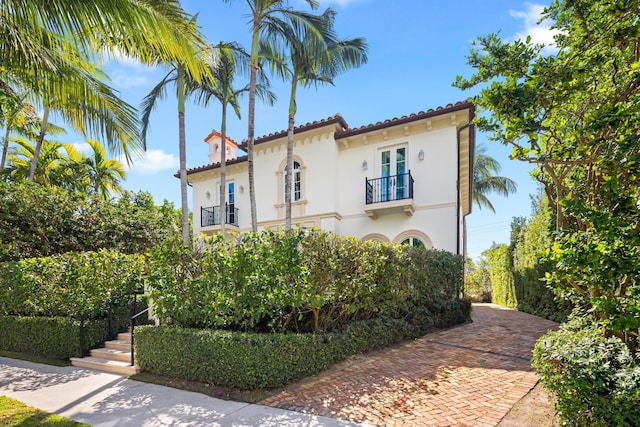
(595, 380)
(252, 360)
(56, 337)
(69, 284)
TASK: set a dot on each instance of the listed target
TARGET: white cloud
(82, 147)
(540, 33)
(127, 72)
(126, 80)
(153, 161)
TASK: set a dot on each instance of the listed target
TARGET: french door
(393, 171)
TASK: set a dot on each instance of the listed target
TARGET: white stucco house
(406, 179)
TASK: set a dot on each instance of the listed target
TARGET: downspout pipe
(469, 126)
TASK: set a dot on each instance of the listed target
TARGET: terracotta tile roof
(449, 108)
(212, 166)
(335, 119)
(219, 135)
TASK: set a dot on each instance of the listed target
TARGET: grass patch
(220, 392)
(15, 413)
(35, 359)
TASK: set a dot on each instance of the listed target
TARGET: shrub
(252, 360)
(296, 281)
(56, 337)
(595, 379)
(69, 284)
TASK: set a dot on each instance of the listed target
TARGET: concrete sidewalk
(102, 399)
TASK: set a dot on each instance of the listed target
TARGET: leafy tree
(477, 281)
(486, 180)
(500, 267)
(575, 115)
(36, 221)
(271, 20)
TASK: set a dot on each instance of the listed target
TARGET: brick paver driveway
(470, 375)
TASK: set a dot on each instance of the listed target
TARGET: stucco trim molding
(377, 237)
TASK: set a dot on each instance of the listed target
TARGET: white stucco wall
(334, 183)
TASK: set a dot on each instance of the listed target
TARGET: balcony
(389, 194)
(210, 216)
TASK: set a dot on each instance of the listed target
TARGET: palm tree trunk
(5, 146)
(288, 184)
(36, 152)
(251, 125)
(223, 169)
(183, 156)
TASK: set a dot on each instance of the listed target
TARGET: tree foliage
(575, 115)
(38, 221)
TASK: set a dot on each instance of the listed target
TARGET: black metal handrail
(133, 325)
(110, 332)
(389, 188)
(211, 215)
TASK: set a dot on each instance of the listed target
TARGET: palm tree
(64, 166)
(175, 75)
(271, 19)
(91, 107)
(48, 163)
(229, 58)
(36, 36)
(316, 59)
(178, 74)
(46, 46)
(17, 116)
(486, 180)
(104, 174)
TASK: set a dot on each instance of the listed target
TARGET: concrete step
(118, 345)
(124, 336)
(112, 366)
(112, 354)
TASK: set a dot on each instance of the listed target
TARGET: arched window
(297, 181)
(413, 242)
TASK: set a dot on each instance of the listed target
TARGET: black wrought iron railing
(134, 319)
(389, 188)
(210, 216)
(113, 310)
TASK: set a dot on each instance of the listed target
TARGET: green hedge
(252, 360)
(69, 284)
(56, 337)
(500, 266)
(296, 281)
(595, 379)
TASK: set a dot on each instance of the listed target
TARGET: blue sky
(416, 49)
